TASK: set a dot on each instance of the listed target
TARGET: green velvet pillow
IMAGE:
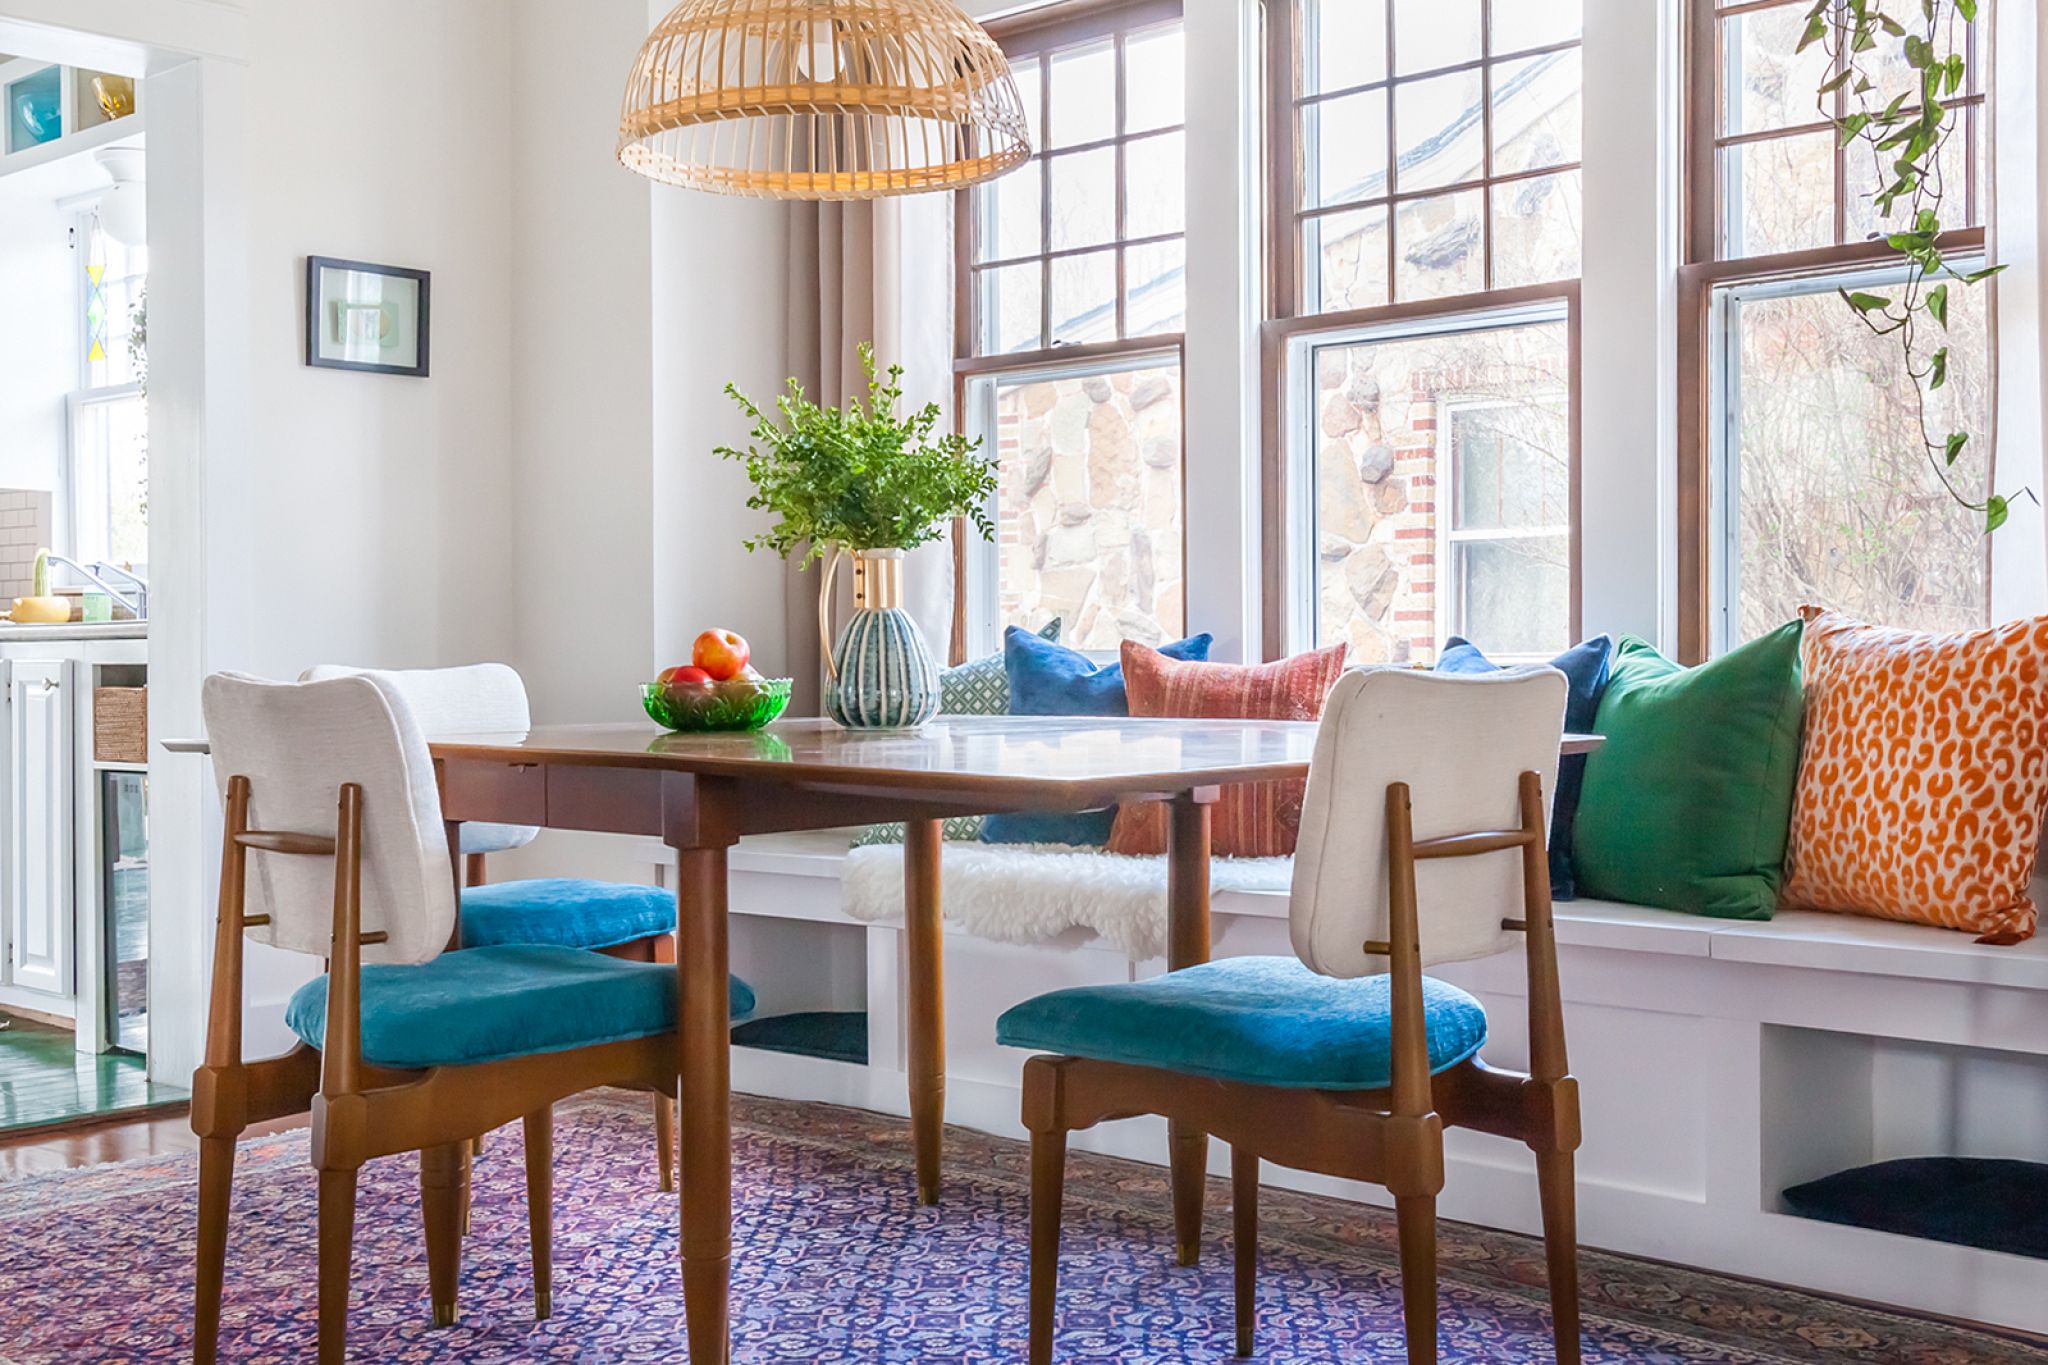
(1688, 803)
(979, 687)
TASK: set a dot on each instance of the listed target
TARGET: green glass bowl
(736, 704)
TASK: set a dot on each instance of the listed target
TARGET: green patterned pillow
(979, 687)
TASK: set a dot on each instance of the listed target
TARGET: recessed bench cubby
(1839, 1102)
(1720, 1062)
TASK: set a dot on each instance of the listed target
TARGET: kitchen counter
(12, 632)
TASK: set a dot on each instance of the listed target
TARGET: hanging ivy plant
(1905, 136)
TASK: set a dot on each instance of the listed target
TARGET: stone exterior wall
(1376, 506)
(1380, 410)
(1089, 522)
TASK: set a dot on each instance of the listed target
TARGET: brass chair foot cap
(928, 1195)
(444, 1315)
(543, 1306)
(1190, 1253)
(668, 1183)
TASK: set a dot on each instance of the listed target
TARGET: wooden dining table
(700, 794)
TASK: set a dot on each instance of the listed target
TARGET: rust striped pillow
(1253, 819)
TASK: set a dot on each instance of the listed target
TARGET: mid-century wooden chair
(631, 920)
(1422, 841)
(335, 846)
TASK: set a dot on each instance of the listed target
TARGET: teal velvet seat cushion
(1260, 1020)
(487, 1004)
(565, 912)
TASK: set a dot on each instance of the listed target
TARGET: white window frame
(1724, 397)
(1298, 418)
(1449, 537)
(71, 476)
(75, 473)
(981, 561)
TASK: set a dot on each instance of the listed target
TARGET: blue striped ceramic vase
(881, 675)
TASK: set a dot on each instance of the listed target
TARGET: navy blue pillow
(1585, 667)
(1048, 679)
(1995, 1204)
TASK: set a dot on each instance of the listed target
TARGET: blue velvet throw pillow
(1585, 667)
(1049, 679)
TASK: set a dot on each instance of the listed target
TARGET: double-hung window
(1071, 281)
(1803, 476)
(1422, 424)
(107, 463)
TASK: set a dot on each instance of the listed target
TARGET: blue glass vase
(880, 675)
(34, 110)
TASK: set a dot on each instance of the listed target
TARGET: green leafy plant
(863, 476)
(1905, 136)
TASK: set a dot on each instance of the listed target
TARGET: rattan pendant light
(821, 99)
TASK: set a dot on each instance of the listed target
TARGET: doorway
(74, 593)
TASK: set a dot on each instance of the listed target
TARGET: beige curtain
(880, 272)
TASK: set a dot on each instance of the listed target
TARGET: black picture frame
(314, 265)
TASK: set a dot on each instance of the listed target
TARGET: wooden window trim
(1286, 158)
(1703, 270)
(1038, 33)
(1278, 496)
(1287, 308)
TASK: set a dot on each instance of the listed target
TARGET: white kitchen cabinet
(38, 856)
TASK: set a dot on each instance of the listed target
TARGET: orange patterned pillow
(1252, 819)
(1924, 774)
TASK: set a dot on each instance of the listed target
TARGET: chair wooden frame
(361, 1111)
(1391, 1137)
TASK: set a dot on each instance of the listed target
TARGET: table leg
(1187, 943)
(925, 1000)
(706, 1105)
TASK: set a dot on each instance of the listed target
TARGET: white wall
(628, 529)
(38, 341)
(1628, 323)
(2019, 236)
(582, 367)
(379, 504)
(720, 274)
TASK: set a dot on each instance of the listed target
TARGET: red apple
(721, 653)
(683, 674)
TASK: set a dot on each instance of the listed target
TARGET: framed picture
(366, 317)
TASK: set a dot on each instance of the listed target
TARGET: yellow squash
(41, 611)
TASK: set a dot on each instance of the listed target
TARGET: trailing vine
(1905, 140)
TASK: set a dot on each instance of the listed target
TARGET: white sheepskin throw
(1027, 893)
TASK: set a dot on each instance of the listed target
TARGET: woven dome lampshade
(821, 99)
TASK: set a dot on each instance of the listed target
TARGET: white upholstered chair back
(298, 743)
(1461, 744)
(475, 699)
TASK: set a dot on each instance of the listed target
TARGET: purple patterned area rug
(835, 1262)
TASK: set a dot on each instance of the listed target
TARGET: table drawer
(502, 793)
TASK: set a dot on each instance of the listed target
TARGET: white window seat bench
(1720, 1061)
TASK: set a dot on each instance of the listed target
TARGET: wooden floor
(45, 1079)
(119, 1139)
